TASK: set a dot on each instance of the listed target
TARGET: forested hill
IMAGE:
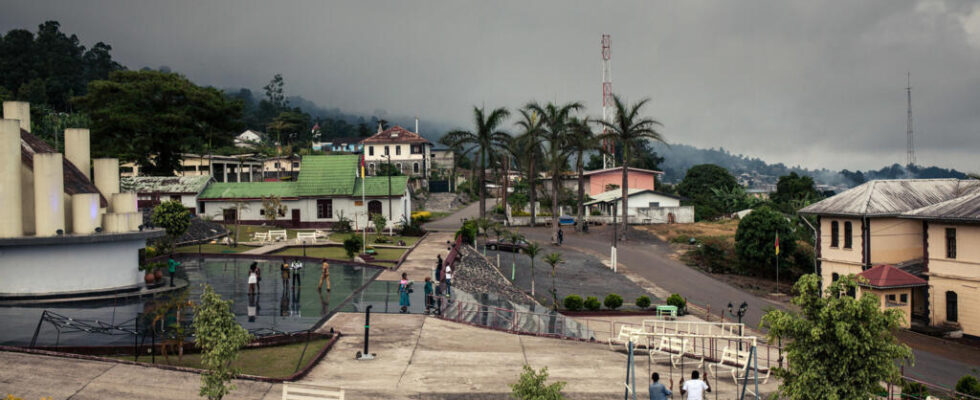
(679, 157)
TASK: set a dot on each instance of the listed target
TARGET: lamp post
(739, 314)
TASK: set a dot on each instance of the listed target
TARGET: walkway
(30, 376)
(421, 262)
(268, 249)
(451, 222)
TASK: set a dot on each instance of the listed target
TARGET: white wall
(307, 208)
(70, 267)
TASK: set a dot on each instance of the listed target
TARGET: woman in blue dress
(404, 288)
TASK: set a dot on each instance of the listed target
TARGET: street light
(740, 313)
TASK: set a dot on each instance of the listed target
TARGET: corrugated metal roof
(963, 208)
(164, 184)
(327, 175)
(891, 197)
(378, 186)
(620, 171)
(616, 194)
(249, 190)
(887, 276)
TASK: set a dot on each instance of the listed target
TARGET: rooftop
(620, 169)
(395, 134)
(887, 276)
(616, 194)
(164, 184)
(964, 208)
(881, 198)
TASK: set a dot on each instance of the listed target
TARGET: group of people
(287, 270)
(694, 389)
(436, 288)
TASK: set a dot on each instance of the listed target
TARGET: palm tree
(514, 238)
(486, 138)
(553, 259)
(582, 140)
(556, 120)
(485, 225)
(530, 150)
(532, 250)
(629, 129)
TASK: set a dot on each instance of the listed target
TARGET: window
(950, 242)
(834, 277)
(890, 298)
(371, 167)
(201, 208)
(415, 168)
(175, 197)
(399, 165)
(370, 150)
(848, 240)
(386, 151)
(262, 211)
(324, 208)
(904, 298)
(416, 149)
(295, 164)
(398, 150)
(951, 306)
(834, 233)
(654, 204)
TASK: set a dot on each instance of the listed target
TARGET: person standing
(294, 267)
(284, 271)
(403, 291)
(324, 275)
(695, 388)
(172, 268)
(253, 279)
(561, 236)
(438, 276)
(428, 295)
(657, 390)
(449, 280)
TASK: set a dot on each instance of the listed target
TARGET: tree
(240, 205)
(152, 117)
(630, 130)
(532, 250)
(582, 140)
(387, 169)
(173, 217)
(487, 138)
(755, 241)
(531, 386)
(379, 222)
(219, 337)
(275, 92)
(272, 207)
(556, 124)
(553, 260)
(697, 186)
(839, 347)
(734, 199)
(459, 152)
(794, 190)
(515, 238)
(352, 245)
(529, 144)
(485, 225)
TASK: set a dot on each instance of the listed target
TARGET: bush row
(614, 301)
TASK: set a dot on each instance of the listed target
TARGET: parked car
(506, 245)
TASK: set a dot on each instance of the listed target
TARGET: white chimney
(11, 222)
(19, 110)
(85, 213)
(49, 194)
(77, 150)
(416, 124)
(107, 176)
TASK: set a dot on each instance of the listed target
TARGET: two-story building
(340, 145)
(406, 151)
(887, 223)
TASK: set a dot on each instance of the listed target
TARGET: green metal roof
(248, 190)
(331, 175)
(378, 186)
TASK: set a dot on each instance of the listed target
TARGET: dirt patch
(682, 232)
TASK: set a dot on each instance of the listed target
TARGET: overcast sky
(811, 83)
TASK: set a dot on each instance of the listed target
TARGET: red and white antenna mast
(608, 160)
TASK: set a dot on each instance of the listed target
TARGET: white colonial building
(407, 152)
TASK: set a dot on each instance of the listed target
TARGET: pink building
(604, 180)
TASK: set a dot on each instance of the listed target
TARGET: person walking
(438, 276)
(324, 275)
(695, 388)
(284, 271)
(172, 268)
(404, 288)
(449, 280)
(429, 300)
(253, 279)
(294, 267)
(657, 390)
(561, 236)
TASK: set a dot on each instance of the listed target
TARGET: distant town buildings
(249, 139)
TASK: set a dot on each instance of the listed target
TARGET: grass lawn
(338, 253)
(214, 248)
(680, 233)
(437, 215)
(409, 240)
(276, 362)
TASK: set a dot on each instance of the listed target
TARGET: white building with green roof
(327, 188)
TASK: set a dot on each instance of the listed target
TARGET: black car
(506, 245)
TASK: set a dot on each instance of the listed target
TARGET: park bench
(627, 334)
(306, 237)
(306, 391)
(260, 237)
(739, 362)
(277, 236)
(665, 351)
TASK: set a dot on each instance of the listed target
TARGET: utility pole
(612, 252)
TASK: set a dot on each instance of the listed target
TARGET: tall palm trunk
(581, 191)
(626, 159)
(532, 188)
(555, 185)
(483, 184)
(506, 181)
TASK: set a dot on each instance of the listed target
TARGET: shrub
(379, 222)
(467, 231)
(382, 239)
(573, 302)
(412, 228)
(968, 384)
(421, 216)
(913, 390)
(714, 254)
(613, 301)
(592, 303)
(531, 385)
(352, 245)
(343, 225)
(643, 302)
(595, 212)
(677, 301)
(755, 241)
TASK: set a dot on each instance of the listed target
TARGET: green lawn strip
(437, 215)
(409, 240)
(214, 248)
(274, 362)
(338, 253)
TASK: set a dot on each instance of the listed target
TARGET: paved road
(451, 222)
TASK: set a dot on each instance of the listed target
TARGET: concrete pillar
(114, 223)
(11, 220)
(77, 150)
(107, 176)
(85, 213)
(123, 202)
(49, 191)
(224, 169)
(19, 110)
(133, 221)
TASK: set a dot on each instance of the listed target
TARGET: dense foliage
(219, 337)
(613, 301)
(678, 301)
(840, 347)
(698, 184)
(592, 303)
(755, 242)
(173, 217)
(643, 302)
(573, 302)
(352, 245)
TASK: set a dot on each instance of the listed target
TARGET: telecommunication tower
(608, 159)
(910, 161)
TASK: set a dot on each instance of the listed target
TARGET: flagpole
(364, 203)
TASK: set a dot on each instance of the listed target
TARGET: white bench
(277, 235)
(669, 344)
(627, 334)
(260, 236)
(306, 391)
(739, 362)
(309, 237)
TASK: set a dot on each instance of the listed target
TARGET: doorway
(295, 217)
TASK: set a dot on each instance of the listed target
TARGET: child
(428, 295)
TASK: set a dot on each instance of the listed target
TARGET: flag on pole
(362, 166)
(777, 243)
